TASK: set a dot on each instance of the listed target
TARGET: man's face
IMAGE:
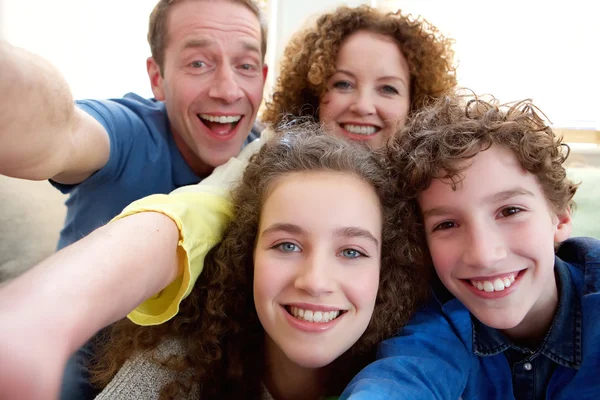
(212, 80)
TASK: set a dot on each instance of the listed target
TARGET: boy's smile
(492, 242)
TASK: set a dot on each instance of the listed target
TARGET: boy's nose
(484, 249)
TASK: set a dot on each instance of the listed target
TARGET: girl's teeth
(497, 285)
(313, 316)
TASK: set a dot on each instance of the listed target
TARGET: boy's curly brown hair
(310, 57)
(460, 125)
(218, 325)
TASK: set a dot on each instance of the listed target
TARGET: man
(207, 74)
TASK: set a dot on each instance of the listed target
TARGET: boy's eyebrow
(353, 231)
(508, 194)
(493, 198)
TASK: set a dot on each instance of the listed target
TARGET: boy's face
(492, 241)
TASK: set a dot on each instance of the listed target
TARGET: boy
(509, 318)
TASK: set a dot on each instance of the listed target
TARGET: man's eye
(247, 67)
(197, 64)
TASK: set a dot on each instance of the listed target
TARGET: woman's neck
(286, 380)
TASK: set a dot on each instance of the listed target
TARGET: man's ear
(564, 225)
(156, 79)
(265, 71)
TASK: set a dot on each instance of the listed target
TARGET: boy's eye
(351, 253)
(508, 211)
(288, 247)
(444, 225)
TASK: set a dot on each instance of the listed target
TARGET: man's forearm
(37, 114)
(94, 282)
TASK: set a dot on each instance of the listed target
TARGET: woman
(362, 72)
(294, 300)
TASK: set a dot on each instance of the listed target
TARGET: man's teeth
(497, 285)
(360, 129)
(313, 316)
(221, 118)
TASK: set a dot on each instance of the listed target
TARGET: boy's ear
(563, 227)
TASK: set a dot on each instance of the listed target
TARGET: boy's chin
(501, 320)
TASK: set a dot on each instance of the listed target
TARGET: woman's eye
(351, 253)
(387, 89)
(508, 211)
(343, 85)
(444, 225)
(288, 247)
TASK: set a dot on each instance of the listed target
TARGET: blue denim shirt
(441, 354)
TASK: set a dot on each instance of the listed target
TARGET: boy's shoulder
(582, 256)
(580, 251)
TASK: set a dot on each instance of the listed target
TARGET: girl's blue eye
(288, 247)
(351, 253)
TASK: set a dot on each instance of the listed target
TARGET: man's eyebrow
(207, 42)
(283, 227)
(196, 42)
(353, 231)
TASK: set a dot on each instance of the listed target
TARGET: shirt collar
(562, 343)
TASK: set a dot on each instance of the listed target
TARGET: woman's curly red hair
(310, 57)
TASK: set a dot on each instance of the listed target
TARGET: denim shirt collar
(562, 343)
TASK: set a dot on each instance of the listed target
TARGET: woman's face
(316, 266)
(368, 96)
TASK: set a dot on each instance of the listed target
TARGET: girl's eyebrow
(349, 231)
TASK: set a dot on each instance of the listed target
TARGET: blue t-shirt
(439, 356)
(144, 160)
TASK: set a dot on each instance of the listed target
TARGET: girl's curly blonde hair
(310, 57)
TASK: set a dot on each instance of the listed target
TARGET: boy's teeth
(221, 119)
(313, 316)
(360, 129)
(497, 285)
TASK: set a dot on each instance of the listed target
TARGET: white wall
(100, 46)
(516, 49)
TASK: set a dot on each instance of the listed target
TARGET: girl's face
(316, 266)
(368, 96)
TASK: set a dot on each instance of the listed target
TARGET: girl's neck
(286, 380)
